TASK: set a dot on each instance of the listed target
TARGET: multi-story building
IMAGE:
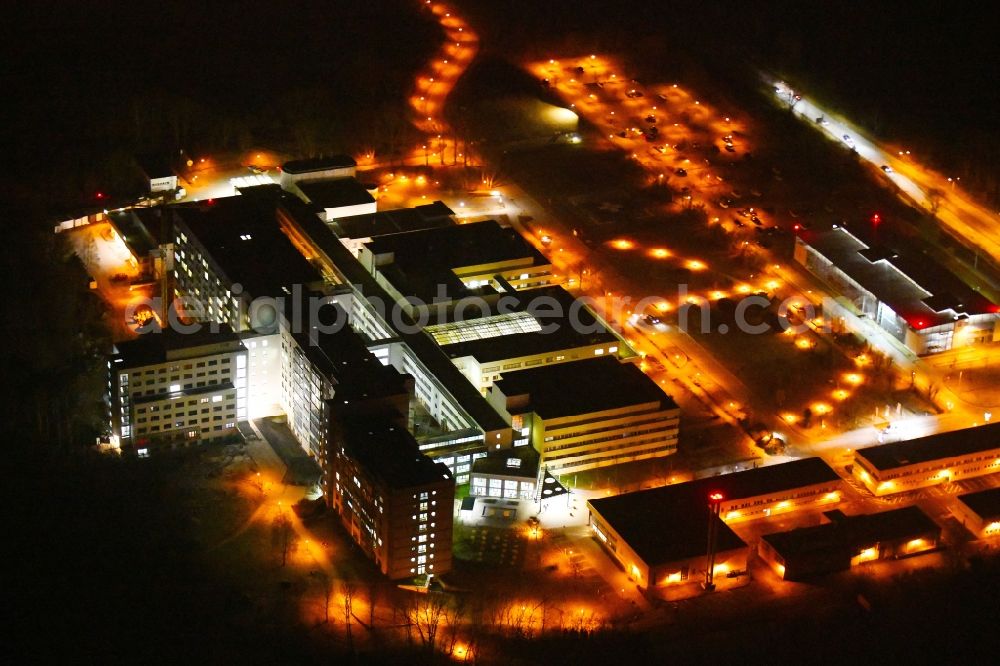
(659, 536)
(462, 425)
(928, 461)
(170, 388)
(233, 264)
(842, 542)
(979, 512)
(588, 414)
(424, 271)
(513, 331)
(395, 502)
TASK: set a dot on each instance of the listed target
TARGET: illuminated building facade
(508, 474)
(928, 461)
(844, 541)
(516, 331)
(888, 281)
(394, 502)
(167, 388)
(588, 414)
(335, 166)
(660, 535)
(979, 512)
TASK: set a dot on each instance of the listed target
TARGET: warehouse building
(315, 168)
(660, 536)
(843, 542)
(928, 461)
(900, 287)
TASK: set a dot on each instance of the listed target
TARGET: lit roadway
(929, 189)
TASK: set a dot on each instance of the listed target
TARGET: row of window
(177, 368)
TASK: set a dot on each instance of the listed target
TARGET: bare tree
(374, 592)
(282, 535)
(349, 589)
(425, 615)
(326, 590)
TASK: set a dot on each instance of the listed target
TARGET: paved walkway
(300, 468)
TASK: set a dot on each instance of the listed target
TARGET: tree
(349, 588)
(326, 589)
(282, 535)
(424, 613)
(374, 593)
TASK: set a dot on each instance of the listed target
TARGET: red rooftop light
(716, 496)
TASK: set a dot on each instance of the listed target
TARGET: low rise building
(847, 541)
(337, 198)
(588, 414)
(158, 172)
(509, 473)
(426, 270)
(169, 388)
(928, 461)
(514, 331)
(355, 231)
(660, 544)
(899, 285)
(395, 502)
(980, 512)
(660, 536)
(315, 168)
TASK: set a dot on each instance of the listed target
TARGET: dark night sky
(924, 72)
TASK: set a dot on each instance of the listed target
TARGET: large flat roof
(388, 452)
(335, 192)
(566, 323)
(932, 447)
(243, 236)
(319, 164)
(422, 260)
(157, 345)
(582, 387)
(850, 534)
(671, 523)
(519, 461)
(902, 275)
(985, 503)
(370, 225)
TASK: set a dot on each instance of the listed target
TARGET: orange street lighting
(821, 408)
(696, 265)
(659, 253)
(853, 378)
(622, 244)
